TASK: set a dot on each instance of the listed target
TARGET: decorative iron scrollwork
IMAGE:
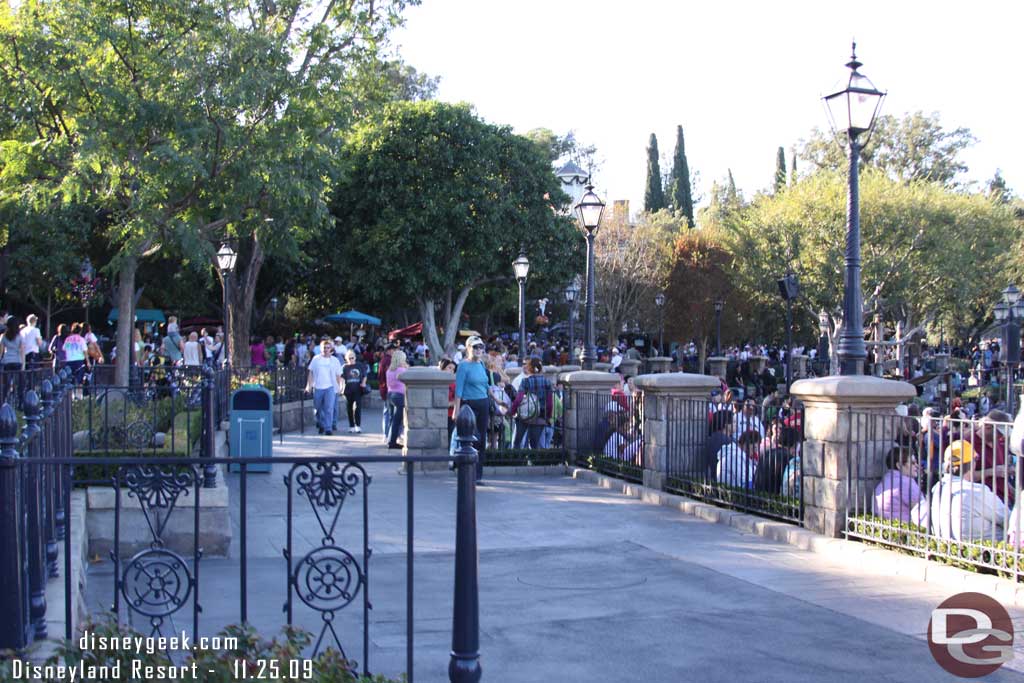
(328, 578)
(158, 489)
(156, 583)
(327, 486)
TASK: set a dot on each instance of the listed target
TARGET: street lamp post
(589, 211)
(1010, 311)
(719, 305)
(521, 268)
(572, 290)
(659, 301)
(273, 306)
(226, 258)
(790, 289)
(852, 111)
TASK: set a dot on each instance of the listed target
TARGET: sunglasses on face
(478, 347)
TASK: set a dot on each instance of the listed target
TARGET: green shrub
(214, 666)
(975, 556)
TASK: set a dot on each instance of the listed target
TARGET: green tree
(187, 122)
(780, 171)
(915, 147)
(929, 253)
(998, 190)
(654, 196)
(793, 177)
(433, 203)
(681, 189)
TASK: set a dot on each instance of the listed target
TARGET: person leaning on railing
(962, 509)
(898, 495)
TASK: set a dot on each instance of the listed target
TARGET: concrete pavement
(578, 584)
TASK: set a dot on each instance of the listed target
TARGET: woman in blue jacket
(471, 383)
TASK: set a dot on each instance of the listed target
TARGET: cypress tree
(682, 196)
(654, 196)
(780, 170)
(792, 167)
(731, 195)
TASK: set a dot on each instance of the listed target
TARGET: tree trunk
(125, 319)
(702, 355)
(451, 330)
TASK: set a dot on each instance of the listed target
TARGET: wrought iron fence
(610, 432)
(15, 381)
(748, 460)
(160, 578)
(942, 488)
(158, 414)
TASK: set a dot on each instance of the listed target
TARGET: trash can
(252, 426)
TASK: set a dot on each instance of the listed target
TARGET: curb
(870, 559)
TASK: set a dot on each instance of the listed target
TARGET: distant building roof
(570, 169)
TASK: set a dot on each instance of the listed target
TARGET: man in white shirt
(748, 420)
(31, 339)
(324, 381)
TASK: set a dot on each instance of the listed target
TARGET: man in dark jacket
(721, 434)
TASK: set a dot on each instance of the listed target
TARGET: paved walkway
(581, 584)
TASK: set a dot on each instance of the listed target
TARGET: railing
(610, 432)
(14, 383)
(747, 461)
(162, 577)
(947, 492)
(160, 414)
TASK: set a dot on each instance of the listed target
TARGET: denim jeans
(387, 420)
(323, 402)
(396, 405)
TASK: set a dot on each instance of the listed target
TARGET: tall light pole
(226, 258)
(659, 301)
(521, 268)
(273, 306)
(572, 290)
(589, 211)
(853, 111)
(789, 288)
(719, 305)
(1010, 311)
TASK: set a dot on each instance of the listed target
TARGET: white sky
(742, 77)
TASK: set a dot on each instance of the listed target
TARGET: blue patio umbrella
(353, 318)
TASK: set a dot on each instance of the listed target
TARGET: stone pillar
(630, 367)
(658, 364)
(552, 372)
(688, 394)
(831, 406)
(602, 367)
(513, 372)
(799, 366)
(758, 364)
(579, 422)
(426, 414)
(718, 366)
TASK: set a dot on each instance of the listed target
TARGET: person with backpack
(533, 405)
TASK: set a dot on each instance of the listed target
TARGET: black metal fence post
(464, 665)
(34, 507)
(50, 474)
(13, 597)
(209, 428)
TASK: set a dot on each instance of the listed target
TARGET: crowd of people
(954, 476)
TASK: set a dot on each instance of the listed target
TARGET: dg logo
(970, 635)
